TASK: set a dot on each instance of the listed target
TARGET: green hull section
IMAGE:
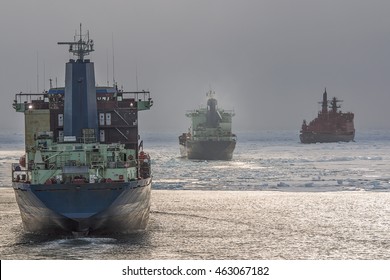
(210, 136)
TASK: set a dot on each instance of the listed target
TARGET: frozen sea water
(278, 161)
(277, 199)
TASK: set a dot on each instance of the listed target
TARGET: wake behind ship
(83, 170)
(210, 136)
(330, 125)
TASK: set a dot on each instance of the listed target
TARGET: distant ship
(210, 136)
(330, 125)
(83, 171)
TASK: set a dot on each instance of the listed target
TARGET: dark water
(210, 225)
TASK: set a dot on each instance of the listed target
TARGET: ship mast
(325, 102)
(333, 104)
(80, 105)
(82, 47)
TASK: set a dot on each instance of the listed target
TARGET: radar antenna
(82, 47)
(210, 94)
(333, 104)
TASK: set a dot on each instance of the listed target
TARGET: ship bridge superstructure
(211, 122)
(81, 132)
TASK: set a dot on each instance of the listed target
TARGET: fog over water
(268, 60)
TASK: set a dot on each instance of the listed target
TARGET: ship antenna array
(210, 94)
(81, 47)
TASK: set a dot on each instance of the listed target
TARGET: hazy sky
(269, 60)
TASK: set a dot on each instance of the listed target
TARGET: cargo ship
(330, 125)
(210, 136)
(84, 170)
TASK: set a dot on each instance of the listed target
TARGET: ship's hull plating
(100, 208)
(210, 150)
(312, 137)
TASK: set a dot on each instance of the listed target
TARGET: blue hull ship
(99, 208)
(84, 170)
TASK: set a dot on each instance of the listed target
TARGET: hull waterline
(310, 137)
(210, 150)
(92, 208)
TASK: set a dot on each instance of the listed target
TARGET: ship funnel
(80, 107)
(212, 117)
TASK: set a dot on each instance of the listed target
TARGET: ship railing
(19, 174)
(229, 112)
(189, 113)
(97, 164)
(137, 95)
(123, 164)
(25, 101)
(143, 99)
(78, 140)
(215, 138)
(29, 97)
(113, 164)
(88, 139)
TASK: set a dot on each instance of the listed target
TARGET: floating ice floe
(316, 178)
